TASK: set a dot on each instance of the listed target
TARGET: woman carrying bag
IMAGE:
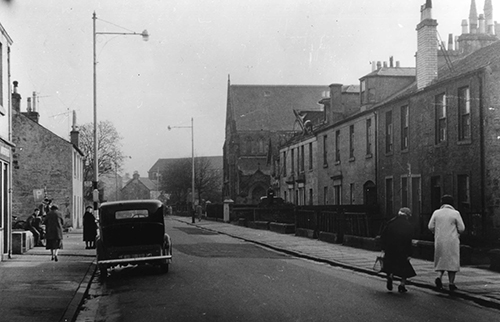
(396, 245)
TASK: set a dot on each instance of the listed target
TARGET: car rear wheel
(164, 267)
(104, 271)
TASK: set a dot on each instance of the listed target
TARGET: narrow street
(218, 278)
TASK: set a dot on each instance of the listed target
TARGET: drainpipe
(481, 148)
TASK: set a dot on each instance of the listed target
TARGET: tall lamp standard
(145, 37)
(192, 164)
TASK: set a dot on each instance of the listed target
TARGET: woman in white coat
(447, 225)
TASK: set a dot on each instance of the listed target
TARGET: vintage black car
(132, 232)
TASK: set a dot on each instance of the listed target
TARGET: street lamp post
(192, 164)
(145, 37)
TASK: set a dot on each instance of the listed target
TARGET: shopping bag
(379, 264)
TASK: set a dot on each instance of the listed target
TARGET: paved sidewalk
(476, 284)
(34, 288)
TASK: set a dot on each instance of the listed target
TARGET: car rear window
(130, 214)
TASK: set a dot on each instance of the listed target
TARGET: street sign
(38, 195)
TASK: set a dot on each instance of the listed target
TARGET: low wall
(367, 243)
(282, 228)
(22, 241)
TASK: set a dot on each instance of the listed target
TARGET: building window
(404, 192)
(285, 196)
(389, 204)
(292, 163)
(1, 76)
(351, 193)
(440, 104)
(404, 127)
(337, 194)
(363, 91)
(310, 156)
(325, 195)
(463, 186)
(369, 137)
(388, 132)
(351, 141)
(310, 197)
(284, 164)
(337, 146)
(464, 126)
(325, 151)
(436, 192)
(302, 156)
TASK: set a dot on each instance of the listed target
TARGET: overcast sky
(182, 71)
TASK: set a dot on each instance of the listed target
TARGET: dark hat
(54, 207)
(447, 200)
(404, 211)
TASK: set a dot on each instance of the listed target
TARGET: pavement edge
(72, 310)
(481, 300)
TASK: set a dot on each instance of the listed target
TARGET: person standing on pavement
(54, 234)
(89, 228)
(397, 247)
(446, 224)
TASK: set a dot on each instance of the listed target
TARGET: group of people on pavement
(396, 240)
(50, 228)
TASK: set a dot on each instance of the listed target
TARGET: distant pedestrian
(396, 244)
(199, 211)
(446, 223)
(89, 228)
(54, 234)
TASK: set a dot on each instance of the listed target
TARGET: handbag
(379, 264)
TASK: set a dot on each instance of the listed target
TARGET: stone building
(6, 146)
(416, 133)
(45, 165)
(440, 135)
(139, 188)
(260, 118)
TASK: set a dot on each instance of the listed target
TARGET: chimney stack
(75, 133)
(450, 42)
(488, 15)
(473, 17)
(482, 27)
(16, 99)
(34, 101)
(391, 61)
(427, 58)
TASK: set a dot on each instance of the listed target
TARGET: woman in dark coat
(396, 244)
(54, 231)
(89, 228)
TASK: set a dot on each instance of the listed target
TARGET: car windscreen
(130, 214)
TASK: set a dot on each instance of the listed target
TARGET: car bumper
(133, 260)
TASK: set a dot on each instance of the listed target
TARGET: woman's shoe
(55, 258)
(389, 283)
(453, 287)
(52, 258)
(439, 284)
(402, 289)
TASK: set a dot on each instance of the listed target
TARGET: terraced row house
(6, 145)
(410, 135)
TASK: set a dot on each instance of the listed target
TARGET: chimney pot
(391, 61)
(397, 64)
(379, 65)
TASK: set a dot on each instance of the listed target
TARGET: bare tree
(176, 180)
(109, 154)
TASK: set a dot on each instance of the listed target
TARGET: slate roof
(393, 71)
(270, 107)
(162, 164)
(474, 61)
